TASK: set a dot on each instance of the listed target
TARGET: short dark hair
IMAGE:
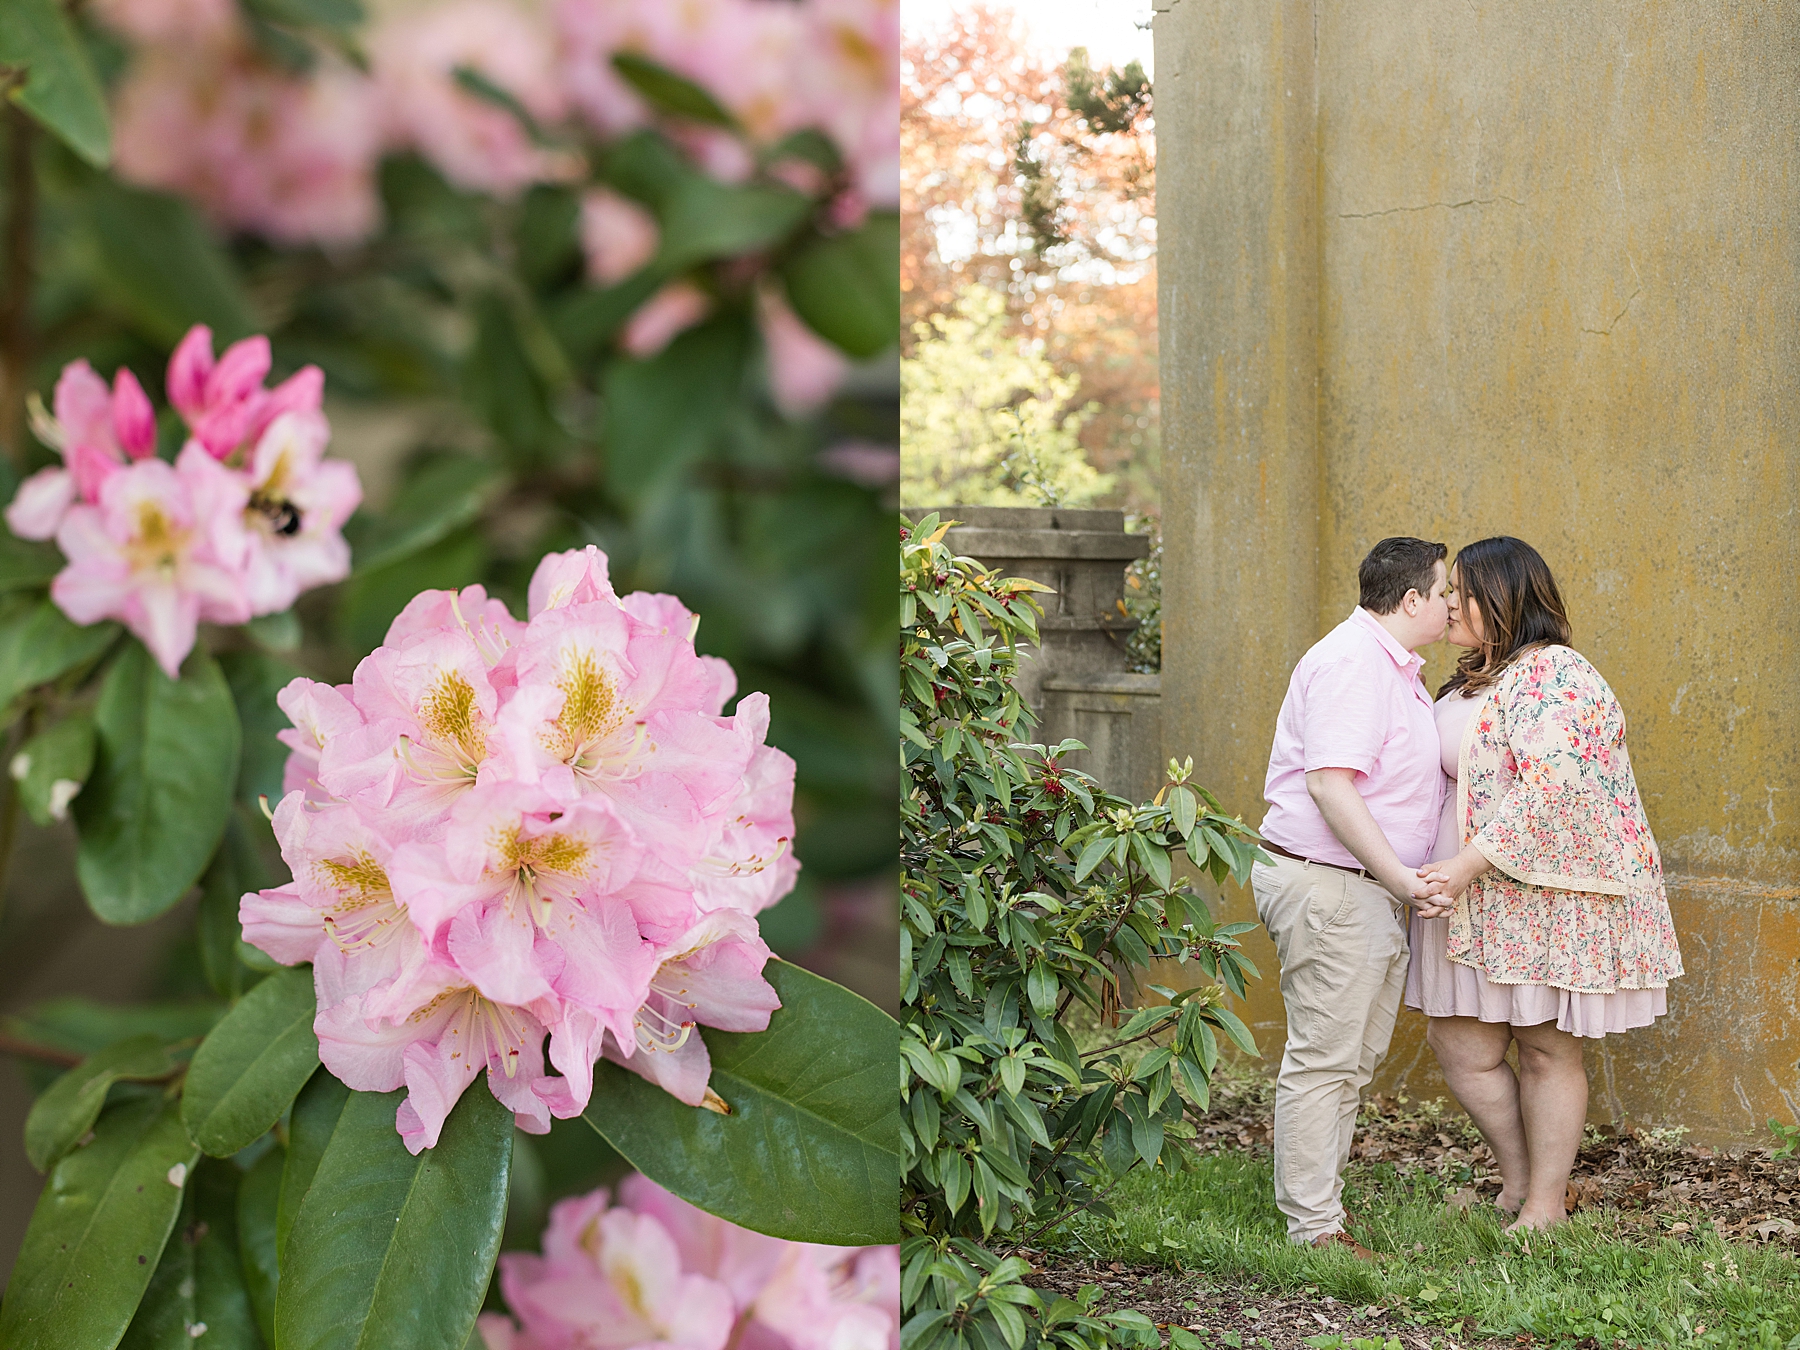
(1394, 567)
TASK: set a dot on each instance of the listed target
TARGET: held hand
(1418, 892)
(1430, 899)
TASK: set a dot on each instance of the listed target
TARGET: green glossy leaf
(847, 286)
(1233, 1026)
(316, 1112)
(705, 219)
(26, 564)
(197, 1296)
(236, 868)
(71, 1105)
(160, 794)
(1183, 808)
(84, 1026)
(661, 414)
(259, 1194)
(1093, 855)
(810, 1151)
(98, 1232)
(60, 90)
(161, 264)
(37, 644)
(670, 93)
(392, 1251)
(441, 498)
(52, 767)
(249, 1068)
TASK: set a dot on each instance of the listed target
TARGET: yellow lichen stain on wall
(1558, 296)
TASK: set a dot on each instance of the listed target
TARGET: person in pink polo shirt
(1354, 792)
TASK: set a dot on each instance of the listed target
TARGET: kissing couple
(1486, 856)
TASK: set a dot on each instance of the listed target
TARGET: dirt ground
(1658, 1184)
(1242, 1314)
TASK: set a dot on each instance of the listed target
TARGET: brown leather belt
(1362, 872)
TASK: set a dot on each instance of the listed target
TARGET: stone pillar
(1076, 681)
(1238, 293)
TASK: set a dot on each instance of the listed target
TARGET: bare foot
(1507, 1205)
(1536, 1221)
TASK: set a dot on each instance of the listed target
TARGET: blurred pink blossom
(672, 310)
(475, 143)
(258, 148)
(804, 369)
(617, 235)
(162, 549)
(95, 431)
(168, 20)
(654, 1270)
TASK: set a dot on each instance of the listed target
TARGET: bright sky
(1107, 28)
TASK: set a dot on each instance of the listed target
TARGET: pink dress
(1439, 987)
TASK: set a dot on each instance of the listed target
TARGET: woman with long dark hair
(1557, 927)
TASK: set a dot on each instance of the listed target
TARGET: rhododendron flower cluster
(654, 1270)
(502, 831)
(250, 514)
(292, 155)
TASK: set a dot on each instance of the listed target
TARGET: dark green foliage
(98, 1231)
(1027, 888)
(160, 794)
(1108, 100)
(1143, 602)
(391, 1250)
(811, 1147)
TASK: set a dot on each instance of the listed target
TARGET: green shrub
(1025, 889)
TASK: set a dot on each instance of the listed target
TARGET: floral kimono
(1545, 791)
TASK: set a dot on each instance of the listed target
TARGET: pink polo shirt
(1355, 702)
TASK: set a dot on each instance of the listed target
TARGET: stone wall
(1458, 268)
(1076, 680)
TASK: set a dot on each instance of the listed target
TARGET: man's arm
(1334, 792)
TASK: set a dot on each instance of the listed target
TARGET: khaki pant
(1342, 944)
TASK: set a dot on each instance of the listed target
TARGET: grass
(1590, 1278)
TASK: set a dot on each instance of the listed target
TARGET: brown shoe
(1342, 1239)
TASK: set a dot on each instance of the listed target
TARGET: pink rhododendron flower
(249, 516)
(654, 1270)
(578, 577)
(96, 431)
(224, 402)
(162, 549)
(672, 310)
(299, 501)
(475, 143)
(257, 147)
(711, 975)
(318, 712)
(617, 235)
(504, 831)
(437, 1050)
(517, 896)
